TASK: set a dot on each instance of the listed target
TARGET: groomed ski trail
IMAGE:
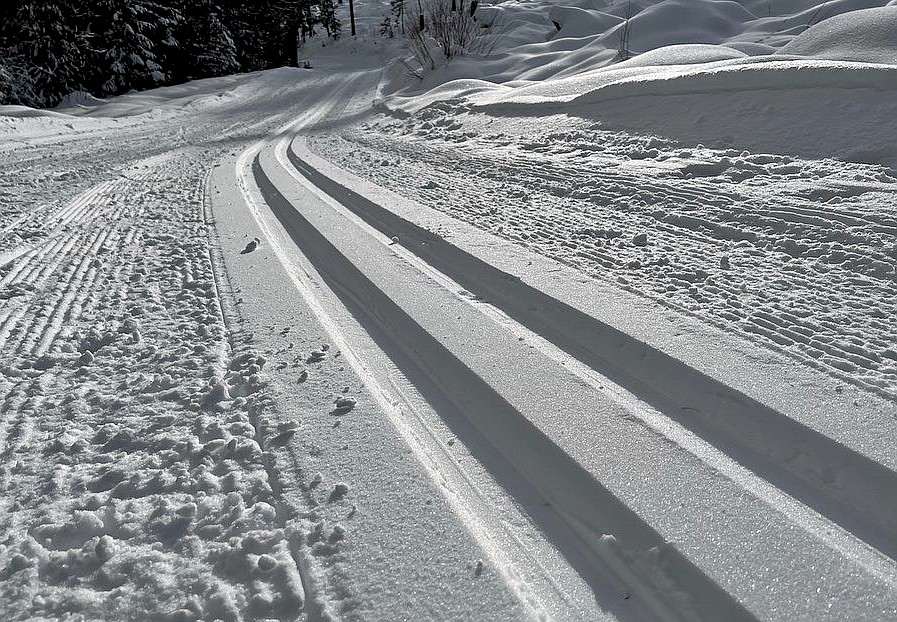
(574, 414)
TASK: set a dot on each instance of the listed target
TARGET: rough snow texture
(142, 445)
(796, 253)
(134, 482)
(151, 466)
(133, 476)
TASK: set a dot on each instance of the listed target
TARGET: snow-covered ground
(543, 335)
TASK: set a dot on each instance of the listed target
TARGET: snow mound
(812, 108)
(751, 48)
(686, 54)
(866, 36)
(576, 22)
(24, 112)
(769, 76)
(684, 21)
(79, 99)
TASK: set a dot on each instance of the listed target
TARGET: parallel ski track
(864, 502)
(849, 488)
(580, 193)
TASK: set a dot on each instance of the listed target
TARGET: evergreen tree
(128, 36)
(266, 32)
(49, 48)
(220, 54)
(43, 52)
(328, 19)
(206, 47)
(247, 24)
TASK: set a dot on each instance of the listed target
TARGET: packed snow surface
(573, 330)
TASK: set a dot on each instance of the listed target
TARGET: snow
(863, 36)
(544, 334)
(79, 98)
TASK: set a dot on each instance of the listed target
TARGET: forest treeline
(106, 47)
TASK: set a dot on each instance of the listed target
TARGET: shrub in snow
(623, 52)
(443, 29)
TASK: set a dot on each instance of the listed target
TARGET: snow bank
(685, 21)
(24, 112)
(693, 54)
(719, 68)
(79, 98)
(867, 36)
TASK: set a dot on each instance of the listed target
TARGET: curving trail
(560, 402)
(241, 382)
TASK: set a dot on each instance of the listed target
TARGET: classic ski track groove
(418, 253)
(880, 568)
(443, 466)
(834, 480)
(814, 341)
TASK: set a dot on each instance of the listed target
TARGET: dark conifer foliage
(328, 18)
(203, 45)
(43, 51)
(127, 38)
(49, 48)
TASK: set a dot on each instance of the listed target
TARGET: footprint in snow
(254, 244)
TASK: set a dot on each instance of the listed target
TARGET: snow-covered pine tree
(49, 48)
(42, 51)
(328, 19)
(127, 39)
(206, 47)
(395, 20)
(220, 54)
(248, 24)
(265, 32)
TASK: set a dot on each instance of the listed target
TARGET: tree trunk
(352, 15)
(292, 45)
